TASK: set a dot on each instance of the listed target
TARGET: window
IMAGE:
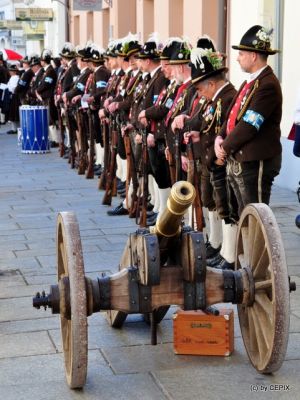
(272, 18)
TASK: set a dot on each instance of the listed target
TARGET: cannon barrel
(181, 197)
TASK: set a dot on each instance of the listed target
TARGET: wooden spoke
(260, 285)
(245, 243)
(265, 323)
(242, 261)
(259, 269)
(70, 271)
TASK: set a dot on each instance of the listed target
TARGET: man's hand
(101, 114)
(179, 122)
(90, 100)
(184, 163)
(150, 140)
(193, 135)
(142, 118)
(126, 129)
(138, 139)
(113, 107)
(75, 99)
(220, 152)
(107, 102)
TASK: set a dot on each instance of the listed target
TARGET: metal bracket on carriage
(193, 262)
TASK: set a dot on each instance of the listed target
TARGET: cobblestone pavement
(122, 363)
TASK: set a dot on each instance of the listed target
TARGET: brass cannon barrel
(181, 197)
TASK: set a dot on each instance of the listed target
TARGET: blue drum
(34, 121)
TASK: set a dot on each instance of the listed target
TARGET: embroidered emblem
(169, 103)
(155, 98)
(253, 118)
(80, 86)
(48, 79)
(101, 84)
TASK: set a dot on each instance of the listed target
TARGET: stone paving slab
(227, 381)
(25, 344)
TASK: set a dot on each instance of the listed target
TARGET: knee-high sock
(130, 190)
(99, 154)
(54, 135)
(67, 137)
(156, 197)
(151, 189)
(229, 242)
(163, 197)
(119, 171)
(215, 229)
(124, 170)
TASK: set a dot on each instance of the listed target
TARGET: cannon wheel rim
(265, 323)
(74, 330)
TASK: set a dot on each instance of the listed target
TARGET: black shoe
(226, 265)
(11, 132)
(54, 144)
(150, 213)
(150, 207)
(97, 167)
(98, 172)
(119, 210)
(215, 261)
(152, 220)
(211, 251)
(122, 192)
(121, 185)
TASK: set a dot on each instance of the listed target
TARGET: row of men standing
(158, 114)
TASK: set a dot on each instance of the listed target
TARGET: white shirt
(12, 83)
(255, 74)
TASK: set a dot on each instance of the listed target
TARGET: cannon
(167, 266)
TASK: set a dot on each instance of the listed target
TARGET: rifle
(142, 208)
(194, 179)
(90, 168)
(105, 138)
(82, 153)
(177, 156)
(72, 136)
(110, 188)
(62, 131)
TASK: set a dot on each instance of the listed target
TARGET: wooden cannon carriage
(167, 266)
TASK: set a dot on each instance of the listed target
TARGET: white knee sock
(215, 229)
(163, 197)
(119, 171)
(229, 242)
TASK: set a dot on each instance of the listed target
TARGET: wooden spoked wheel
(264, 321)
(73, 299)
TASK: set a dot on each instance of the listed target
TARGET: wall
(144, 18)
